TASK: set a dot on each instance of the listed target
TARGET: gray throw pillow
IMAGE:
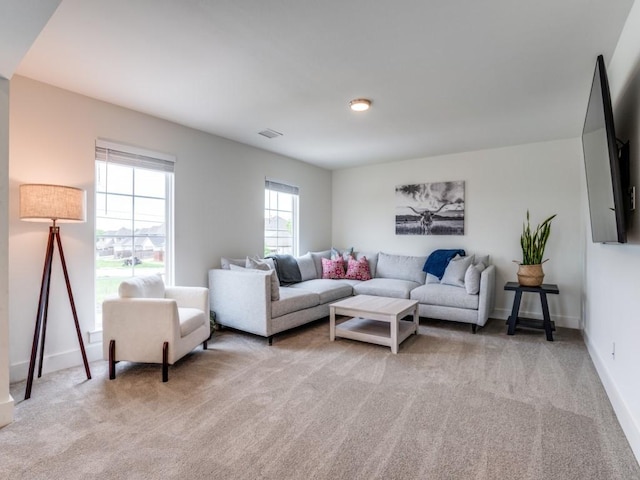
(456, 270)
(307, 267)
(472, 278)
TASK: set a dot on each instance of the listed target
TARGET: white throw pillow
(472, 278)
(151, 286)
(456, 270)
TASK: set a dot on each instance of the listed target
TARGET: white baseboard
(6, 411)
(626, 420)
(564, 321)
(58, 361)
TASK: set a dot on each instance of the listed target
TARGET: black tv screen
(603, 164)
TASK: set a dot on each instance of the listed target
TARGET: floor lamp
(57, 204)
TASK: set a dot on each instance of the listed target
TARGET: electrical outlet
(613, 351)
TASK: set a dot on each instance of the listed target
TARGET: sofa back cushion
(150, 286)
(317, 260)
(372, 258)
(401, 267)
(358, 269)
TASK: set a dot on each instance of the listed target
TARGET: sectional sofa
(250, 300)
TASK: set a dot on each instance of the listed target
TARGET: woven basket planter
(530, 275)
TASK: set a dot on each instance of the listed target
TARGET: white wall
(6, 402)
(612, 299)
(500, 185)
(219, 202)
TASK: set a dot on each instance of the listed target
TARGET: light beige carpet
(450, 405)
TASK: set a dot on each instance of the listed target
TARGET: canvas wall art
(430, 208)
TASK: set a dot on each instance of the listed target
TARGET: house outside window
(280, 218)
(134, 217)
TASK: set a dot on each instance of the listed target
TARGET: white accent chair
(151, 323)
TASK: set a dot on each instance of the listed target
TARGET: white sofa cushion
(329, 290)
(401, 267)
(445, 296)
(292, 300)
(151, 286)
(385, 287)
(190, 320)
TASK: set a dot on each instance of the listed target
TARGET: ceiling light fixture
(360, 104)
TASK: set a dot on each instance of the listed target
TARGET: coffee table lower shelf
(373, 331)
(374, 319)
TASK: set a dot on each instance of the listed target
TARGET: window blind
(281, 187)
(133, 157)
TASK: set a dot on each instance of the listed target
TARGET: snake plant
(533, 242)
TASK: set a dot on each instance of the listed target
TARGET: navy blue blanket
(287, 268)
(437, 262)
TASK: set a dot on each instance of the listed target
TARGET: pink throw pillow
(358, 269)
(333, 269)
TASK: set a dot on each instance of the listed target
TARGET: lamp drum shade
(43, 203)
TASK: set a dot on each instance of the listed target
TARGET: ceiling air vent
(270, 133)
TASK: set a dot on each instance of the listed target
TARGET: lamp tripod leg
(42, 306)
(73, 305)
(44, 318)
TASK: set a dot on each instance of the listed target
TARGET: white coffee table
(375, 320)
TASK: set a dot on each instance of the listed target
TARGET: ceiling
(444, 76)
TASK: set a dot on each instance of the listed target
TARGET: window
(134, 219)
(280, 218)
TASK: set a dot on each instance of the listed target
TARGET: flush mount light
(360, 104)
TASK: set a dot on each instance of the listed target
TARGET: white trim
(95, 336)
(629, 426)
(169, 257)
(564, 321)
(59, 361)
(111, 145)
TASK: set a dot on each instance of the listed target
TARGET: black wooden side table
(547, 325)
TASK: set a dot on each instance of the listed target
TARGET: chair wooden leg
(270, 339)
(204, 345)
(112, 359)
(474, 327)
(165, 362)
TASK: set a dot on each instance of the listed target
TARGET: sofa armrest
(487, 294)
(242, 299)
(189, 297)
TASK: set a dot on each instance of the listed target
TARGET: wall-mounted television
(606, 161)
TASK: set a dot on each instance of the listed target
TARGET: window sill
(95, 336)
